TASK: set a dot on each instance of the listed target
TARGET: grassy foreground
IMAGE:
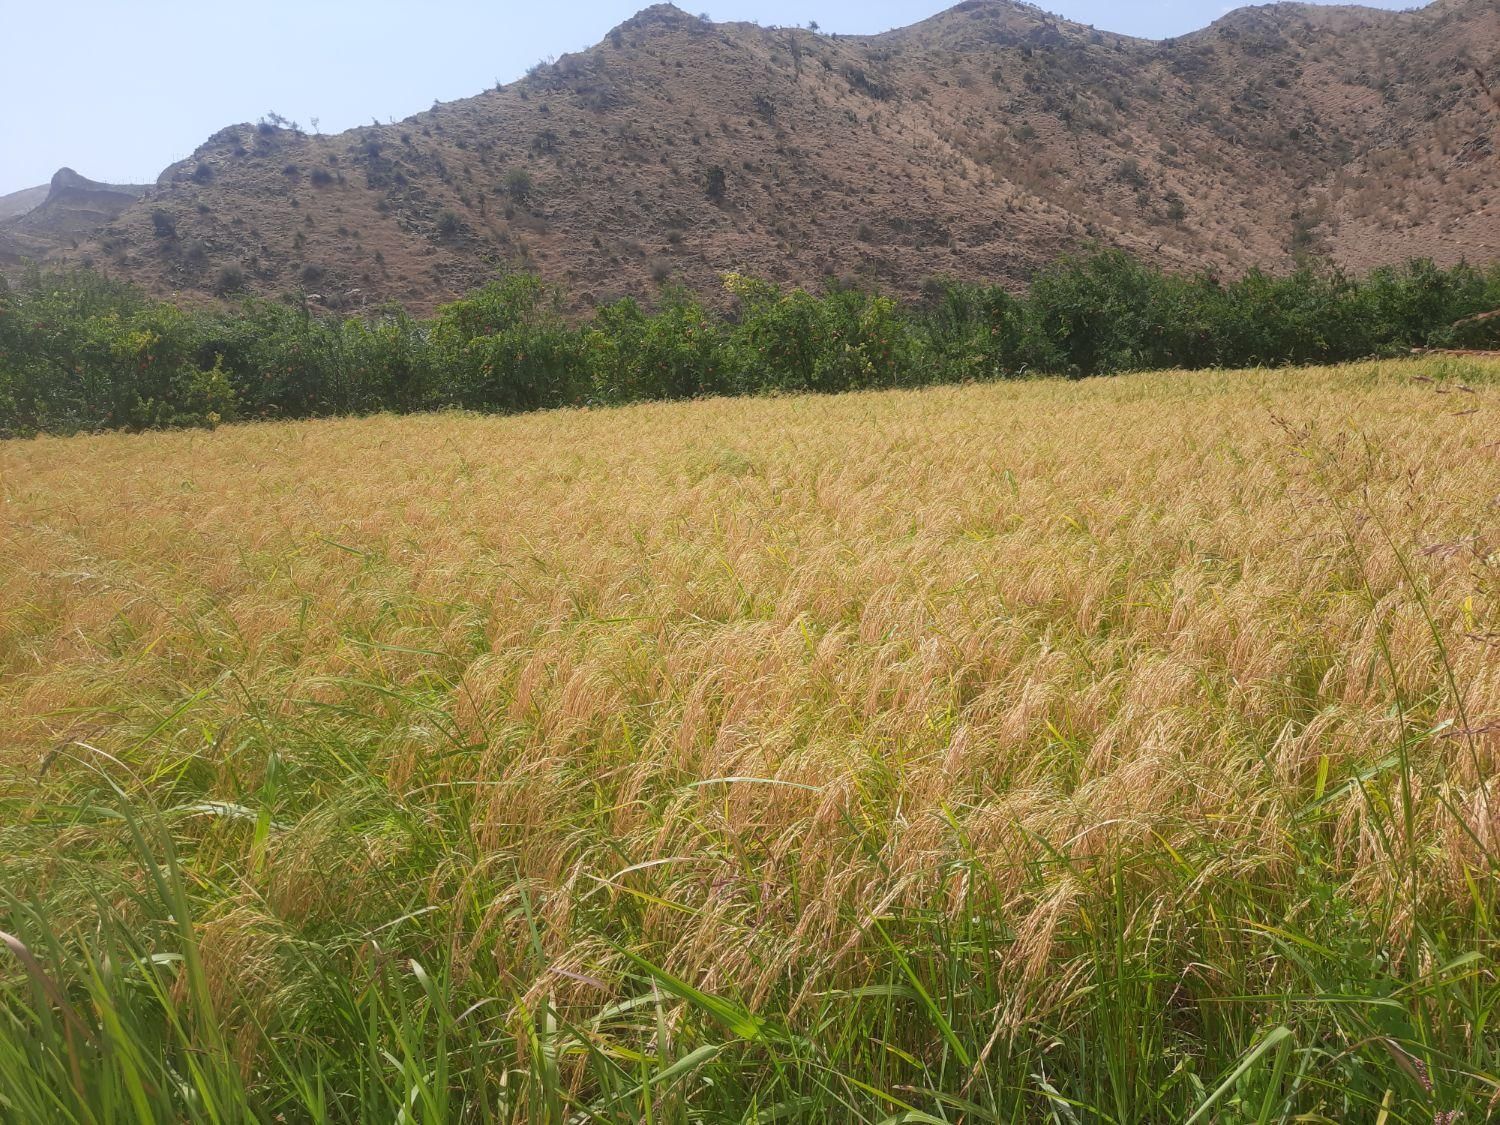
(1110, 751)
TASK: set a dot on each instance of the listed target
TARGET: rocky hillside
(38, 223)
(978, 143)
(17, 203)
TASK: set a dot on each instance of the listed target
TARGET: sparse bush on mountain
(865, 83)
(1130, 173)
(714, 183)
(230, 279)
(518, 185)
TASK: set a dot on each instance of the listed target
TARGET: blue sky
(118, 89)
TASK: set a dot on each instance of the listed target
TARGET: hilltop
(978, 144)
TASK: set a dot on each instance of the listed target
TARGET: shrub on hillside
(230, 279)
(715, 183)
(518, 185)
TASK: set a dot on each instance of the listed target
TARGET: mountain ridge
(16, 203)
(980, 142)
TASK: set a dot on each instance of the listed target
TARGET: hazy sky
(118, 89)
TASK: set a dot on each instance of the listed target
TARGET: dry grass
(1192, 671)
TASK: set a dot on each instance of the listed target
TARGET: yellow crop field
(1116, 750)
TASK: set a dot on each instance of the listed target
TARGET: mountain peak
(1327, 17)
(65, 178)
(660, 15)
(67, 184)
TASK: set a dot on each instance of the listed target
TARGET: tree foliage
(81, 352)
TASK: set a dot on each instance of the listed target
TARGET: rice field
(1106, 751)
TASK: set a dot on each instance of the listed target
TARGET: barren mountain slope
(72, 208)
(978, 143)
(19, 202)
